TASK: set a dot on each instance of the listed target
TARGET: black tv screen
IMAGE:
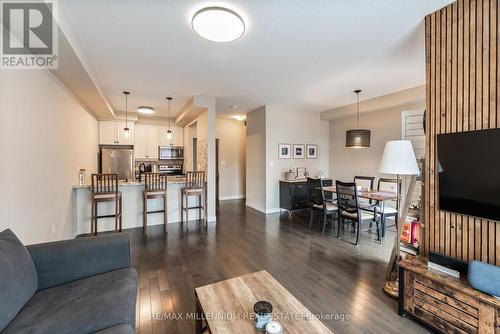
(469, 173)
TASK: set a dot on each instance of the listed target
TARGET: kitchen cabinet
(177, 136)
(146, 141)
(111, 133)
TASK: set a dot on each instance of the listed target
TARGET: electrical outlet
(53, 229)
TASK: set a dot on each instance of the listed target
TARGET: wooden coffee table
(228, 306)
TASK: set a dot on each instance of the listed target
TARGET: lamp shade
(358, 138)
(399, 158)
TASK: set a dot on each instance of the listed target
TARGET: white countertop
(132, 183)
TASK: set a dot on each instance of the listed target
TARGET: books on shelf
(411, 232)
(410, 236)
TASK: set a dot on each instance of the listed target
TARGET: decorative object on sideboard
(290, 174)
(321, 175)
(298, 151)
(126, 130)
(357, 138)
(311, 151)
(169, 131)
(81, 176)
(302, 173)
(398, 159)
(284, 151)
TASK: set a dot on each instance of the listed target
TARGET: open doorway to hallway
(230, 151)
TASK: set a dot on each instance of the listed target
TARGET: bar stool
(105, 189)
(195, 186)
(155, 187)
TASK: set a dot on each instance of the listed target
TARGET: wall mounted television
(469, 173)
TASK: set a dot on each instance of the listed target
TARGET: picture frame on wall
(284, 151)
(311, 151)
(298, 151)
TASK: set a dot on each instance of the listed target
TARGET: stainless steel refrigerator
(119, 161)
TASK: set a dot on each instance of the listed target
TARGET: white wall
(232, 146)
(256, 159)
(293, 126)
(382, 115)
(46, 136)
(347, 162)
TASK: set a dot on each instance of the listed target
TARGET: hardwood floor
(326, 274)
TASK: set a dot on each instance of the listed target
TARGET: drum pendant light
(126, 130)
(357, 138)
(169, 132)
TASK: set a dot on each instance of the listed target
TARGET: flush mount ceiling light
(145, 110)
(218, 24)
(357, 138)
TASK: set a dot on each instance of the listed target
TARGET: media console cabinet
(447, 304)
(294, 194)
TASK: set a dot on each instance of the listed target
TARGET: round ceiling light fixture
(145, 110)
(218, 24)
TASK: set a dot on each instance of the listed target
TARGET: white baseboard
(230, 197)
(275, 210)
(255, 207)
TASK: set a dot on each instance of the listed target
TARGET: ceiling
(308, 54)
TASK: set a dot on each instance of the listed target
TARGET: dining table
(380, 197)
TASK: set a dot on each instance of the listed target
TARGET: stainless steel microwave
(170, 152)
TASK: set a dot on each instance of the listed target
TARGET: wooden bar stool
(195, 186)
(105, 189)
(155, 187)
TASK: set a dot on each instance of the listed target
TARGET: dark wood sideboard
(447, 304)
(294, 194)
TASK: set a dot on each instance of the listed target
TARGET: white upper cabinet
(146, 141)
(107, 132)
(177, 136)
(140, 144)
(111, 133)
(152, 141)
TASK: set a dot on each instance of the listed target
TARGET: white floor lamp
(398, 159)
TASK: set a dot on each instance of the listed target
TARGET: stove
(170, 169)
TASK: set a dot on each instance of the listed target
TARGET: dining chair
(349, 210)
(365, 182)
(319, 201)
(389, 208)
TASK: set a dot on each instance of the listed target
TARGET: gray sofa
(75, 286)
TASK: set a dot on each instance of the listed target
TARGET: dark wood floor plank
(328, 275)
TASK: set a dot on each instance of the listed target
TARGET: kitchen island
(132, 206)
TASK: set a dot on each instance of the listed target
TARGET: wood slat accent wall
(462, 95)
